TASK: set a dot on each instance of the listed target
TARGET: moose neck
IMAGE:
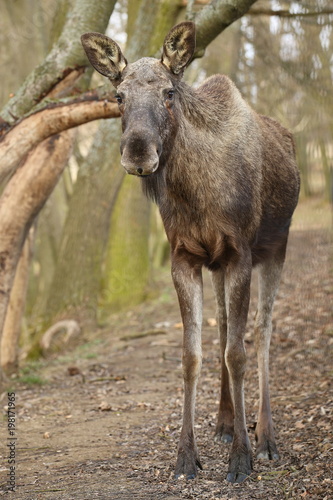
(205, 130)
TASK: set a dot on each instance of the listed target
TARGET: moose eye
(170, 94)
(119, 98)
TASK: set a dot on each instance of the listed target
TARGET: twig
(143, 334)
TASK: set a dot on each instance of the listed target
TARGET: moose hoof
(224, 434)
(187, 465)
(223, 437)
(240, 467)
(267, 451)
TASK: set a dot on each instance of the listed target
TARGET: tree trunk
(15, 310)
(302, 162)
(24, 195)
(327, 171)
(22, 199)
(24, 43)
(77, 279)
(127, 264)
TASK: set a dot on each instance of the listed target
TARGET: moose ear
(178, 48)
(104, 55)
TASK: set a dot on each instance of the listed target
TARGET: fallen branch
(70, 327)
(143, 334)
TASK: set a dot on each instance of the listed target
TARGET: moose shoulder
(226, 183)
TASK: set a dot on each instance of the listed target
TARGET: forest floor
(103, 421)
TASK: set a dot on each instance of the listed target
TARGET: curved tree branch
(53, 119)
(216, 17)
(66, 55)
(21, 200)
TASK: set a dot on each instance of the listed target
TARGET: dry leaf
(73, 370)
(211, 322)
(104, 406)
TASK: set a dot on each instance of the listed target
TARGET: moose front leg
(238, 279)
(188, 283)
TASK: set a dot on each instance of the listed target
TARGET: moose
(226, 183)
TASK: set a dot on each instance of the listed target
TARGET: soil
(103, 421)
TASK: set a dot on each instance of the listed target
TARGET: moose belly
(210, 252)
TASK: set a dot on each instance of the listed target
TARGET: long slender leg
(269, 279)
(238, 279)
(225, 419)
(188, 283)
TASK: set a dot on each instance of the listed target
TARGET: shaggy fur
(226, 183)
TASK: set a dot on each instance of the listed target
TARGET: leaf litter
(125, 406)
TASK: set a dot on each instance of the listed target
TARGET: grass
(31, 379)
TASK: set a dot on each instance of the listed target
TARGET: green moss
(35, 352)
(165, 19)
(127, 267)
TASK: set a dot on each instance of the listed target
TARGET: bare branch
(66, 55)
(189, 4)
(215, 17)
(286, 13)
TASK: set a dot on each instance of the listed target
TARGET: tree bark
(51, 120)
(127, 274)
(66, 55)
(127, 264)
(15, 310)
(77, 280)
(327, 171)
(22, 199)
(216, 17)
(61, 65)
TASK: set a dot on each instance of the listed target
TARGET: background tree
(279, 54)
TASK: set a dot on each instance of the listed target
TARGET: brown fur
(226, 183)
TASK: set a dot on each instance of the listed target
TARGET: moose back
(226, 183)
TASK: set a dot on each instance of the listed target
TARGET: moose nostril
(139, 170)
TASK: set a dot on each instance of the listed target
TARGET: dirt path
(105, 424)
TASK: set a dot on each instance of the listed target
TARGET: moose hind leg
(225, 420)
(269, 278)
(188, 284)
(238, 279)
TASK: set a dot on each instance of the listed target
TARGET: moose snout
(139, 167)
(140, 154)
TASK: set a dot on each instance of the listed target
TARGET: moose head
(146, 94)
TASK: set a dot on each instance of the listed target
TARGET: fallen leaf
(104, 406)
(73, 370)
(211, 322)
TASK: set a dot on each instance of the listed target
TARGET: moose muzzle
(140, 152)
